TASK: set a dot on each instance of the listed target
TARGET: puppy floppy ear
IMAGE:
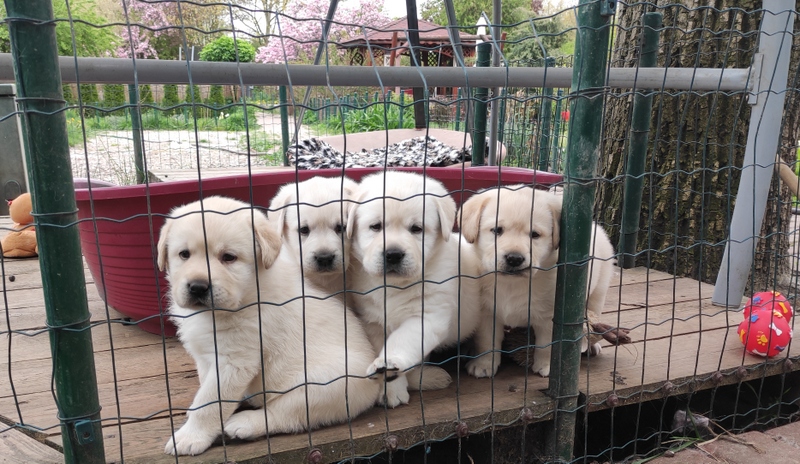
(470, 216)
(556, 206)
(446, 207)
(349, 191)
(268, 239)
(162, 245)
(278, 206)
(355, 200)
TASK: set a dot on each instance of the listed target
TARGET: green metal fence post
(284, 103)
(44, 127)
(458, 110)
(136, 129)
(637, 151)
(583, 147)
(546, 111)
(481, 97)
(501, 124)
(402, 109)
(555, 150)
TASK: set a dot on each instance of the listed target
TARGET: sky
(397, 8)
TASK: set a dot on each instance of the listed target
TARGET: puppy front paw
(484, 366)
(189, 441)
(395, 392)
(247, 425)
(542, 369)
(592, 349)
(383, 367)
(595, 349)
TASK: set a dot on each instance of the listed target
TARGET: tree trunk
(696, 144)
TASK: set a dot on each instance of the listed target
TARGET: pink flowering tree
(299, 29)
(137, 40)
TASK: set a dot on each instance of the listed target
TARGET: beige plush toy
(21, 241)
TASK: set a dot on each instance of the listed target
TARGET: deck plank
(18, 448)
(680, 341)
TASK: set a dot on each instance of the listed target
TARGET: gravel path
(108, 155)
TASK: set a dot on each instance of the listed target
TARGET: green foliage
(216, 98)
(268, 144)
(467, 13)
(89, 40)
(521, 46)
(310, 117)
(146, 94)
(69, 96)
(113, 96)
(233, 120)
(193, 94)
(224, 49)
(170, 97)
(523, 50)
(374, 118)
(89, 96)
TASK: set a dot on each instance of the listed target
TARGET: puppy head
(394, 231)
(321, 225)
(209, 254)
(515, 228)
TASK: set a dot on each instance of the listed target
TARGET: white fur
(421, 230)
(527, 290)
(318, 228)
(225, 342)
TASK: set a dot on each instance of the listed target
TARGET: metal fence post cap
(9, 90)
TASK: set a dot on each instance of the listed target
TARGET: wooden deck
(681, 343)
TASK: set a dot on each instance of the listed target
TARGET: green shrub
(170, 98)
(223, 49)
(114, 96)
(89, 97)
(69, 97)
(233, 119)
(216, 98)
(146, 96)
(193, 95)
(373, 118)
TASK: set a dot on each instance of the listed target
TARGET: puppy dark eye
(228, 258)
(304, 230)
(415, 229)
(339, 228)
(375, 227)
(497, 230)
(535, 234)
(184, 254)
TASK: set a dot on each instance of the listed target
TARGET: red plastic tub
(122, 239)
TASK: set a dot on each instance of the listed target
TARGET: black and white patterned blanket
(315, 154)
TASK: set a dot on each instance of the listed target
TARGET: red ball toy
(769, 300)
(765, 333)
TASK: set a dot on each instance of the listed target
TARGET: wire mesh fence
(619, 178)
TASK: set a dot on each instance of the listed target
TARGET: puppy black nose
(514, 259)
(324, 259)
(198, 288)
(394, 256)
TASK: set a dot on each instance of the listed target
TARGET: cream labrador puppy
(215, 261)
(516, 230)
(401, 227)
(313, 227)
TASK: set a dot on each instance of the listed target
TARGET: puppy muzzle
(325, 261)
(394, 261)
(513, 263)
(197, 293)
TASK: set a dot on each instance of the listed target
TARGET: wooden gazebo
(435, 44)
